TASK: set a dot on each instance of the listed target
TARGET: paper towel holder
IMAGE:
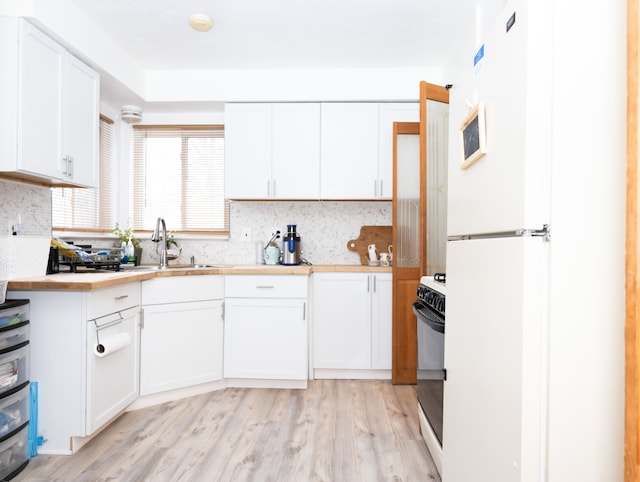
(100, 346)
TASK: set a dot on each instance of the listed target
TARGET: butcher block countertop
(90, 280)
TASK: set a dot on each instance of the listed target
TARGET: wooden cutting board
(378, 235)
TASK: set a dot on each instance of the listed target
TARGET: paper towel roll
(112, 344)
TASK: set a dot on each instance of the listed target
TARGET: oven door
(431, 373)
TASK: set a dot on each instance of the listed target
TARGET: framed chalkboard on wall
(473, 137)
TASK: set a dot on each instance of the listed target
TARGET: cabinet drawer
(266, 286)
(14, 368)
(14, 453)
(109, 300)
(14, 410)
(181, 289)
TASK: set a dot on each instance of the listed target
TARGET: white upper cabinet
(296, 151)
(50, 117)
(247, 157)
(81, 123)
(312, 150)
(349, 147)
(272, 151)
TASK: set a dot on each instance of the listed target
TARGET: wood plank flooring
(335, 430)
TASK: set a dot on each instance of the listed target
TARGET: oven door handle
(428, 316)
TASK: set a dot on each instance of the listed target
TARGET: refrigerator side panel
(494, 399)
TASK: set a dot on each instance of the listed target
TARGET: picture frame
(473, 136)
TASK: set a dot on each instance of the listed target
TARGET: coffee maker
(291, 246)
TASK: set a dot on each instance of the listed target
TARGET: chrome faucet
(156, 237)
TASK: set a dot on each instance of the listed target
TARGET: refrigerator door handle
(544, 233)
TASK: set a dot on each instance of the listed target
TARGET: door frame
(632, 269)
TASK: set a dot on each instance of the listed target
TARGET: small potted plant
(172, 246)
(126, 237)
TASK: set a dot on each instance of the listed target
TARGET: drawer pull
(121, 297)
(261, 287)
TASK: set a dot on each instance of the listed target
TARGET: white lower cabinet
(79, 388)
(182, 332)
(265, 334)
(351, 323)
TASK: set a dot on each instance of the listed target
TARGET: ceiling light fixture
(200, 22)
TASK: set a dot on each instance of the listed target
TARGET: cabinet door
(247, 151)
(81, 122)
(112, 379)
(181, 345)
(349, 150)
(390, 113)
(342, 320)
(381, 316)
(40, 104)
(296, 151)
(265, 339)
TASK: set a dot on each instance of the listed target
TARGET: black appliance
(429, 309)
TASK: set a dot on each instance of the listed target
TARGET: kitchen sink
(155, 267)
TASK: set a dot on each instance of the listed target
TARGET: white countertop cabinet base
(266, 329)
(182, 332)
(352, 325)
(77, 392)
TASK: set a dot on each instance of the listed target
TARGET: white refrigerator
(533, 351)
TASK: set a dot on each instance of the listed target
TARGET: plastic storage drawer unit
(14, 387)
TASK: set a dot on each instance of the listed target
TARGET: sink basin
(155, 267)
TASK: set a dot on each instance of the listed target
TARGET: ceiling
(284, 34)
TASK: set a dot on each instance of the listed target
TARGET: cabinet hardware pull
(304, 311)
(141, 323)
(265, 287)
(70, 173)
(374, 283)
(274, 188)
(381, 189)
(268, 188)
(368, 283)
(375, 188)
(121, 297)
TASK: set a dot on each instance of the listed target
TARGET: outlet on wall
(245, 234)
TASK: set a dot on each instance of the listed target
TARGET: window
(178, 174)
(88, 210)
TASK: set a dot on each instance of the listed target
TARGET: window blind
(178, 174)
(91, 209)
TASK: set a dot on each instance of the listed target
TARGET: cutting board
(378, 235)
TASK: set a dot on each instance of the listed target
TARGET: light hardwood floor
(336, 430)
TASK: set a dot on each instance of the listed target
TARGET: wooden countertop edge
(65, 282)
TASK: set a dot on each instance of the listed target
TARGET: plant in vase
(131, 250)
(172, 246)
